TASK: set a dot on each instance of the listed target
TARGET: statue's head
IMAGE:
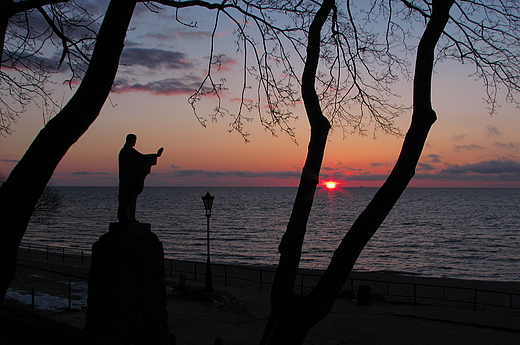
(130, 140)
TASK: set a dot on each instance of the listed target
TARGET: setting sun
(331, 184)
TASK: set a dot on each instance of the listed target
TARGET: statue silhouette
(133, 168)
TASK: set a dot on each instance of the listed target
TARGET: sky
(164, 62)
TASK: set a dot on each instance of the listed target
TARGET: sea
(465, 233)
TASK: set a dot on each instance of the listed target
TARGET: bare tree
(292, 316)
(26, 29)
(26, 182)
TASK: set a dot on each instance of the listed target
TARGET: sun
(331, 184)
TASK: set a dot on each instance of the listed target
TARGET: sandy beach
(238, 315)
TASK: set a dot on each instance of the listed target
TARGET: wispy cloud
(433, 158)
(380, 164)
(492, 131)
(471, 147)
(169, 86)
(155, 58)
(500, 166)
(459, 137)
(507, 145)
(236, 174)
(89, 173)
(500, 170)
(425, 166)
(177, 35)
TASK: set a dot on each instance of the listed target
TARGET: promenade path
(238, 315)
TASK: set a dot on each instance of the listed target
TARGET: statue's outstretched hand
(159, 152)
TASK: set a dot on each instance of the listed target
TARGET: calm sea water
(458, 233)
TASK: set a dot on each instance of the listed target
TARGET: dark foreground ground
(238, 316)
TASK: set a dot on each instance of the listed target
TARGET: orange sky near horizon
(466, 148)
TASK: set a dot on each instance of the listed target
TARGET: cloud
(363, 177)
(496, 170)
(433, 158)
(499, 166)
(9, 160)
(328, 169)
(84, 173)
(378, 164)
(425, 166)
(492, 131)
(169, 86)
(459, 137)
(155, 58)
(507, 145)
(236, 174)
(469, 147)
(178, 35)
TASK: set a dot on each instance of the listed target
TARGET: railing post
(475, 302)
(261, 278)
(32, 300)
(70, 296)
(47, 253)
(29, 251)
(225, 275)
(81, 257)
(63, 254)
(414, 295)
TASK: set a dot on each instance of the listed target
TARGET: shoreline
(390, 287)
(56, 255)
(196, 322)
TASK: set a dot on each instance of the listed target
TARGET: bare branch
(26, 72)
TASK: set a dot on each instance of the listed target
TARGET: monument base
(127, 292)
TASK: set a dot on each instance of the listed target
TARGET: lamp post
(208, 203)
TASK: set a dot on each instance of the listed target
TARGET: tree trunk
(285, 306)
(22, 189)
(292, 317)
(5, 10)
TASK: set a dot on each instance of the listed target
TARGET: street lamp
(208, 203)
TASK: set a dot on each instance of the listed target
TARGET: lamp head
(208, 203)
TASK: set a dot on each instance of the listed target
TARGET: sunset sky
(163, 64)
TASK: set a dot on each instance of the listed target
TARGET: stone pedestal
(127, 293)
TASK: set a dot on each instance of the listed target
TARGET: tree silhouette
(293, 316)
(26, 182)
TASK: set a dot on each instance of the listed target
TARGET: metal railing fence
(261, 278)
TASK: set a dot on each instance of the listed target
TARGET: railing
(415, 293)
(390, 290)
(70, 255)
